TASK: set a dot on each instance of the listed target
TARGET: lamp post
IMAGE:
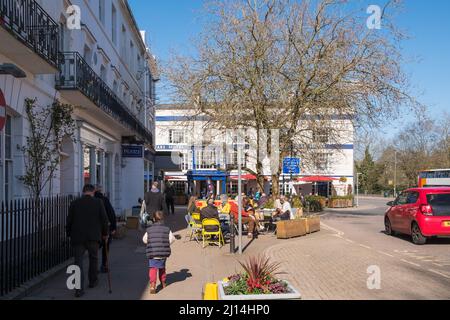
(357, 189)
(240, 196)
(395, 173)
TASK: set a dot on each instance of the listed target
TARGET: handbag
(144, 217)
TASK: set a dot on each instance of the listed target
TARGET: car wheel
(388, 227)
(417, 236)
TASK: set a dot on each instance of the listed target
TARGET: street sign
(291, 166)
(2, 110)
(132, 151)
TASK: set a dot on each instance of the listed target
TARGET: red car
(421, 213)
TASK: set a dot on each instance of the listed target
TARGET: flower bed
(257, 282)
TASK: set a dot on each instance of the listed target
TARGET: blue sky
(171, 24)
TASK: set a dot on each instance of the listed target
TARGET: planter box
(294, 295)
(341, 203)
(312, 224)
(291, 228)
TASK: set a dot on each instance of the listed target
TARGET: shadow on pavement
(178, 276)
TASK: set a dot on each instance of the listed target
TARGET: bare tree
(295, 67)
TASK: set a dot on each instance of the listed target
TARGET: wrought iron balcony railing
(29, 23)
(76, 74)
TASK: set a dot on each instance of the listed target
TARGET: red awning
(317, 179)
(244, 177)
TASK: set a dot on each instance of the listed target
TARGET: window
(177, 136)
(99, 167)
(87, 55)
(321, 135)
(101, 11)
(412, 197)
(206, 158)
(8, 161)
(440, 203)
(115, 86)
(123, 46)
(321, 161)
(179, 187)
(62, 36)
(131, 62)
(402, 199)
(103, 75)
(114, 25)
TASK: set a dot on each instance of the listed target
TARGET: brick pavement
(323, 265)
(326, 266)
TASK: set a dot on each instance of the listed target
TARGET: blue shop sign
(291, 166)
(132, 151)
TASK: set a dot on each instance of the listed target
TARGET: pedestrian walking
(105, 245)
(154, 201)
(169, 194)
(158, 239)
(87, 226)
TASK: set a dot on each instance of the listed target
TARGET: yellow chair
(195, 226)
(207, 235)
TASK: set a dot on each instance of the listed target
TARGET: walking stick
(107, 266)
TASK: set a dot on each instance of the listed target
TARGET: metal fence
(32, 25)
(33, 239)
(77, 74)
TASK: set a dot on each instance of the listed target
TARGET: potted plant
(269, 207)
(257, 282)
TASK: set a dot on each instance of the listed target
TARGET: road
(333, 264)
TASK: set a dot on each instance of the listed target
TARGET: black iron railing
(28, 22)
(76, 74)
(32, 239)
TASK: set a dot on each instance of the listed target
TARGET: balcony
(80, 85)
(29, 36)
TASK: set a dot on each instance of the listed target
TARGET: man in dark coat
(169, 193)
(210, 212)
(154, 201)
(87, 225)
(112, 226)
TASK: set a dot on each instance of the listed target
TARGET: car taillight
(426, 210)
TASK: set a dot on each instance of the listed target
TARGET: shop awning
(175, 178)
(317, 179)
(244, 177)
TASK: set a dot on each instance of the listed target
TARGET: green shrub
(270, 204)
(349, 197)
(315, 203)
(296, 202)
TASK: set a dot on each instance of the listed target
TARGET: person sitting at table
(224, 207)
(248, 216)
(210, 212)
(262, 201)
(192, 207)
(283, 211)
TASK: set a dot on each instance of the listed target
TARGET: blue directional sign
(291, 166)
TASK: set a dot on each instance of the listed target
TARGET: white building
(185, 161)
(105, 70)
